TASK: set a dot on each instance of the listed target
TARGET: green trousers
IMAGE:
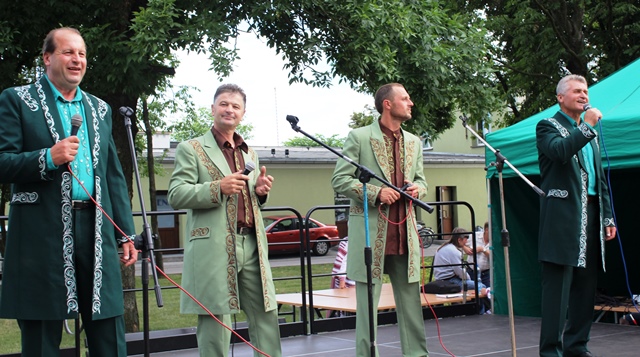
(264, 332)
(568, 297)
(105, 337)
(408, 310)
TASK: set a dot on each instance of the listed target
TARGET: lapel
(50, 112)
(379, 150)
(215, 154)
(564, 121)
(92, 125)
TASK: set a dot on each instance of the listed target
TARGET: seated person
(339, 278)
(450, 253)
(483, 252)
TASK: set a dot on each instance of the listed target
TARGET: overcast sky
(270, 98)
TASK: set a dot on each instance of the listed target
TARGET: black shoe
(586, 354)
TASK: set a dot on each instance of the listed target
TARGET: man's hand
(65, 150)
(264, 182)
(610, 233)
(412, 190)
(129, 254)
(592, 116)
(388, 196)
(234, 183)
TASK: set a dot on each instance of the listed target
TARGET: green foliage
(536, 42)
(331, 141)
(439, 58)
(363, 118)
(197, 122)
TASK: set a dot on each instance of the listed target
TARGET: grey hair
(563, 85)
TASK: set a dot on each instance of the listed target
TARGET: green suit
(51, 270)
(39, 275)
(571, 238)
(366, 146)
(211, 272)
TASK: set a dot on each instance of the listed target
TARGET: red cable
(163, 273)
(421, 277)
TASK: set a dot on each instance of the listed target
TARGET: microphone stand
(504, 234)
(144, 241)
(364, 175)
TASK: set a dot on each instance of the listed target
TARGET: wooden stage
(468, 336)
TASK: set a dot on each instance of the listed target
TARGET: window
(483, 127)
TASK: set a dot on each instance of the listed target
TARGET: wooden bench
(345, 299)
(623, 308)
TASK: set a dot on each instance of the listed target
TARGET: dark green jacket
(563, 210)
(39, 277)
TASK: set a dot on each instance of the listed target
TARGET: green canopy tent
(618, 98)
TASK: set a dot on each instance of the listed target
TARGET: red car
(286, 229)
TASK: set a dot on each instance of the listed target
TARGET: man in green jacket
(226, 265)
(62, 252)
(395, 155)
(575, 220)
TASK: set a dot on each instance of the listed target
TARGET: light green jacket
(210, 273)
(366, 146)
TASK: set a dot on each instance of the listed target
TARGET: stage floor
(487, 335)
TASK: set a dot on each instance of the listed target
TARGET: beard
(402, 115)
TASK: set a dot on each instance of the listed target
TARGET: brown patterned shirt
(396, 233)
(236, 163)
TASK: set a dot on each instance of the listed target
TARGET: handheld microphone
(76, 122)
(248, 167)
(586, 107)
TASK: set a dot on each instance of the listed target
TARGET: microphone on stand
(76, 122)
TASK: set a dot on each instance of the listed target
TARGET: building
(454, 167)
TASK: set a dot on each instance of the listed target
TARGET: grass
(169, 317)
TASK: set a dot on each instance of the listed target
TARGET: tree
(331, 141)
(363, 118)
(536, 42)
(196, 122)
(154, 108)
(431, 50)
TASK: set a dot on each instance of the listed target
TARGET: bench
(623, 308)
(345, 299)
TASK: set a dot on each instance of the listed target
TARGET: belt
(245, 230)
(592, 199)
(78, 204)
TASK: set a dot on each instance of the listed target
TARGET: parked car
(286, 229)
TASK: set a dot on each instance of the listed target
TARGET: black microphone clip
(126, 111)
(293, 120)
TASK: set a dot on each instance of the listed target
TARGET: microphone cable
(162, 272)
(615, 219)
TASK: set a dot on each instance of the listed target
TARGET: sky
(270, 98)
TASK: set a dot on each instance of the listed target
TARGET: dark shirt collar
(388, 132)
(223, 143)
